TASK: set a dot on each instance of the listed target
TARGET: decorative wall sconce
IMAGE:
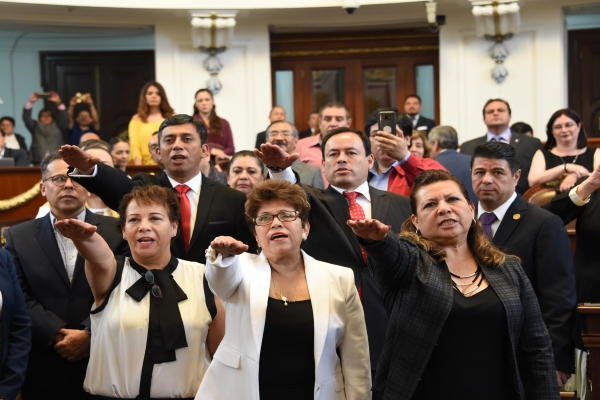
(212, 33)
(497, 21)
(433, 20)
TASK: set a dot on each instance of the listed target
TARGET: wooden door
(369, 70)
(114, 79)
(584, 80)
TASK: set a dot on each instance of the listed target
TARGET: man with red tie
(347, 160)
(208, 209)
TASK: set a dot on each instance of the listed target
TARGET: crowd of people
(331, 263)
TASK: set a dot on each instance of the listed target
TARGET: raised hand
(369, 229)
(75, 229)
(54, 97)
(228, 246)
(274, 156)
(79, 159)
(34, 97)
(394, 146)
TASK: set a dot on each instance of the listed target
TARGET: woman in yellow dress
(152, 110)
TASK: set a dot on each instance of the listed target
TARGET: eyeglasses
(60, 180)
(283, 133)
(283, 216)
(155, 290)
(568, 125)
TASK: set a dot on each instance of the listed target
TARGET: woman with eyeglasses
(565, 157)
(154, 321)
(287, 313)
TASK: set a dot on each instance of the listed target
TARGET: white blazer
(242, 283)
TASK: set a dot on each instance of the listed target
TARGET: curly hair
(276, 189)
(485, 252)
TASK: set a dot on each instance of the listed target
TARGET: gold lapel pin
(517, 216)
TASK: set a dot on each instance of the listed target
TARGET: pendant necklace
(280, 294)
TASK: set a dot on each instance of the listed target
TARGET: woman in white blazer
(286, 313)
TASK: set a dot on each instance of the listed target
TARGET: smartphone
(43, 95)
(387, 121)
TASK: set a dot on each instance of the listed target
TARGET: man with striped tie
(496, 116)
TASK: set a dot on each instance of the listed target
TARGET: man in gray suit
(285, 135)
(496, 116)
(444, 144)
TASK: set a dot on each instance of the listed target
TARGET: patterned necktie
(356, 213)
(186, 213)
(487, 219)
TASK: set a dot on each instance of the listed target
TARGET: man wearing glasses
(285, 135)
(52, 277)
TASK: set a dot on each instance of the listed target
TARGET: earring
(123, 237)
(474, 223)
(304, 236)
(418, 232)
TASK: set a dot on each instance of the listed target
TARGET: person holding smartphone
(47, 133)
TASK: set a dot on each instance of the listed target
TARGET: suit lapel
(380, 204)
(338, 207)
(206, 197)
(259, 297)
(47, 241)
(510, 221)
(318, 288)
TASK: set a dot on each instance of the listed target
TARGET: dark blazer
(304, 134)
(526, 146)
(422, 121)
(418, 295)
(331, 240)
(540, 240)
(54, 302)
(458, 165)
(261, 137)
(220, 209)
(587, 253)
(15, 330)
(20, 156)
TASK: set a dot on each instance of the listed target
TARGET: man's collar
(501, 210)
(80, 216)
(376, 164)
(194, 183)
(506, 135)
(362, 189)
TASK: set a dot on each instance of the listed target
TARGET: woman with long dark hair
(565, 157)
(220, 138)
(153, 109)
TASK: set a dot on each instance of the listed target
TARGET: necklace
(476, 275)
(280, 294)
(572, 162)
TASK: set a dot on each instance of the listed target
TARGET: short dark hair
(49, 158)
(487, 103)
(151, 195)
(416, 96)
(180, 119)
(497, 151)
(402, 121)
(365, 139)
(9, 119)
(45, 110)
(567, 112)
(246, 153)
(314, 112)
(521, 128)
(95, 144)
(335, 104)
(276, 189)
(114, 140)
(445, 135)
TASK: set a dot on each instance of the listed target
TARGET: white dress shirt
(195, 184)
(68, 251)
(363, 199)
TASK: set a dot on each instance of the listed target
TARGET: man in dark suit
(412, 107)
(19, 155)
(496, 115)
(13, 139)
(313, 122)
(285, 135)
(52, 278)
(444, 144)
(536, 236)
(215, 210)
(277, 114)
(347, 160)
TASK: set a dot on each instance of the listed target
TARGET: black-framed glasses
(155, 290)
(60, 180)
(283, 216)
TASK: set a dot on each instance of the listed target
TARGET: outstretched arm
(223, 272)
(274, 156)
(100, 263)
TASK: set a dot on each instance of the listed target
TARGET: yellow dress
(139, 136)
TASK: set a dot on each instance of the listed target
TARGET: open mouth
(145, 241)
(448, 222)
(278, 236)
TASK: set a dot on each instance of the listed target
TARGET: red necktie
(356, 213)
(186, 213)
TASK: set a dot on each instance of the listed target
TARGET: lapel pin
(517, 217)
